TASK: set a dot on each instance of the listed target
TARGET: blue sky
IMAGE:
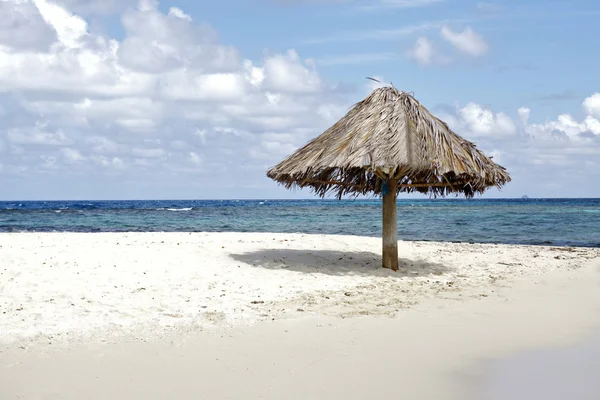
(118, 99)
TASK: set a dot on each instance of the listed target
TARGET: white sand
(103, 286)
(182, 315)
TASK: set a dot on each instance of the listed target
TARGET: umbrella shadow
(332, 262)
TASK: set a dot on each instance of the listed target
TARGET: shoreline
(546, 245)
(376, 236)
(556, 222)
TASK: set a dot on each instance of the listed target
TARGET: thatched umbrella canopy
(386, 144)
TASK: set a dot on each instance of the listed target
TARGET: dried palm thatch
(389, 135)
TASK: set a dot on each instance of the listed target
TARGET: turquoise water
(573, 222)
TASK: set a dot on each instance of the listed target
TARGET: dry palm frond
(389, 135)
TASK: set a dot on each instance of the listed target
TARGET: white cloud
(201, 133)
(422, 51)
(109, 162)
(136, 124)
(37, 135)
(166, 95)
(71, 29)
(425, 53)
(467, 41)
(22, 26)
(268, 150)
(592, 125)
(565, 124)
(592, 105)
(91, 70)
(177, 12)
(524, 115)
(287, 73)
(209, 87)
(96, 6)
(157, 42)
(474, 120)
(134, 113)
(195, 158)
(72, 155)
(561, 147)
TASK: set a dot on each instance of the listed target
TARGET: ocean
(559, 222)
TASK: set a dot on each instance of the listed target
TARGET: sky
(187, 99)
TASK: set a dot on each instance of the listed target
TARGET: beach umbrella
(386, 144)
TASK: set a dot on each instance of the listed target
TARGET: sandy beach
(283, 315)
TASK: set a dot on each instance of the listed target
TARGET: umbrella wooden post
(390, 229)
